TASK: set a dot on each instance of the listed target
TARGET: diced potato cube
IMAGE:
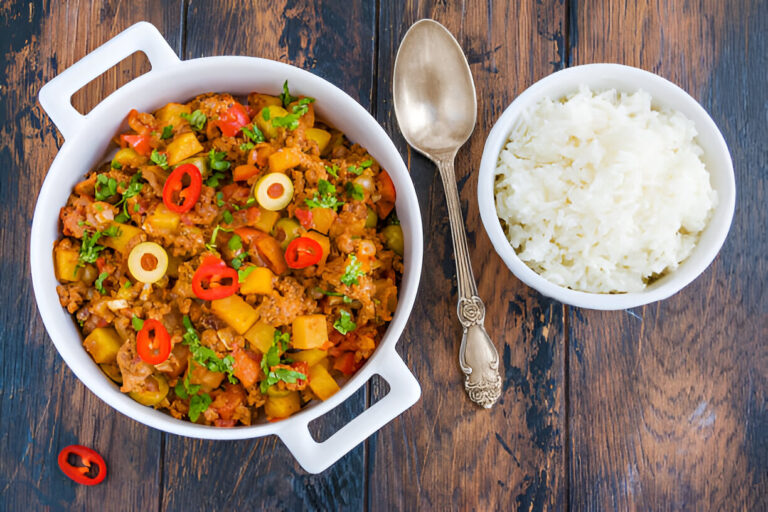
(163, 220)
(199, 374)
(65, 264)
(257, 101)
(183, 146)
(282, 406)
(120, 242)
(324, 242)
(309, 331)
(322, 218)
(237, 313)
(266, 220)
(171, 114)
(129, 157)
(259, 280)
(322, 384)
(322, 137)
(260, 336)
(265, 125)
(103, 344)
(311, 357)
(284, 159)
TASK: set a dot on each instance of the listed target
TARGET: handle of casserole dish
(404, 391)
(56, 95)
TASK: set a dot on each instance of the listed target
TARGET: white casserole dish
(86, 140)
(664, 94)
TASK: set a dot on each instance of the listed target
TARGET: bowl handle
(404, 391)
(56, 95)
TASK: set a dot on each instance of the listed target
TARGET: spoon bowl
(434, 95)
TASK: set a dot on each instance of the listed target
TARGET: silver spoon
(436, 108)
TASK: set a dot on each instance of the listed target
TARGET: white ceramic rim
(166, 82)
(664, 94)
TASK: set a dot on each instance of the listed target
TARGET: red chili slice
(233, 120)
(140, 143)
(153, 343)
(210, 280)
(176, 190)
(303, 252)
(82, 464)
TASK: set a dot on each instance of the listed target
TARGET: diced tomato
(140, 143)
(345, 363)
(233, 120)
(247, 367)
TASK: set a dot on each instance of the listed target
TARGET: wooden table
(661, 407)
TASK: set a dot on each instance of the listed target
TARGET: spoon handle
(478, 357)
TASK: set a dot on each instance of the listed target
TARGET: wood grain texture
(333, 40)
(668, 402)
(43, 407)
(445, 453)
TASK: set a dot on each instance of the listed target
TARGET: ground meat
(134, 370)
(291, 301)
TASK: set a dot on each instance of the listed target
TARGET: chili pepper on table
(90, 469)
(179, 197)
(214, 279)
(303, 252)
(153, 343)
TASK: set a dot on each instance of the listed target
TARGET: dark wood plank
(668, 403)
(335, 41)
(445, 453)
(43, 407)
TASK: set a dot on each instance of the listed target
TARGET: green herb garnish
(355, 191)
(206, 356)
(159, 159)
(272, 359)
(116, 165)
(105, 187)
(353, 271)
(253, 133)
(196, 119)
(99, 283)
(333, 171)
(167, 132)
(213, 179)
(286, 97)
(344, 324)
(243, 273)
(137, 323)
(216, 159)
(325, 197)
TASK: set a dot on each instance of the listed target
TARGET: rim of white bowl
(663, 93)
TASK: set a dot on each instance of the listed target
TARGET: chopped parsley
(89, 250)
(344, 324)
(99, 284)
(291, 121)
(127, 284)
(226, 216)
(235, 243)
(252, 132)
(333, 171)
(243, 273)
(358, 169)
(246, 146)
(286, 97)
(206, 356)
(216, 159)
(265, 114)
(167, 132)
(112, 231)
(214, 179)
(355, 191)
(133, 189)
(220, 199)
(159, 159)
(198, 404)
(353, 271)
(392, 220)
(105, 187)
(325, 197)
(116, 165)
(347, 300)
(211, 246)
(137, 323)
(196, 119)
(272, 359)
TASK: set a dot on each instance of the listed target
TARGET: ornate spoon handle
(478, 357)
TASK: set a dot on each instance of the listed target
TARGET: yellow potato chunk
(265, 125)
(103, 344)
(129, 157)
(259, 280)
(284, 159)
(282, 406)
(171, 114)
(322, 384)
(120, 242)
(321, 137)
(237, 313)
(163, 220)
(311, 357)
(309, 331)
(322, 218)
(183, 146)
(260, 336)
(266, 220)
(199, 374)
(65, 264)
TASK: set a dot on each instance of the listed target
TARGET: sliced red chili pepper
(153, 343)
(138, 142)
(82, 464)
(303, 252)
(214, 279)
(304, 217)
(176, 190)
(233, 120)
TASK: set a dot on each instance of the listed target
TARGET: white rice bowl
(600, 192)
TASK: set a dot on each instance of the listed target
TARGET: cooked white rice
(600, 192)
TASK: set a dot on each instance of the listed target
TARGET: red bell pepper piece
(140, 143)
(232, 121)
